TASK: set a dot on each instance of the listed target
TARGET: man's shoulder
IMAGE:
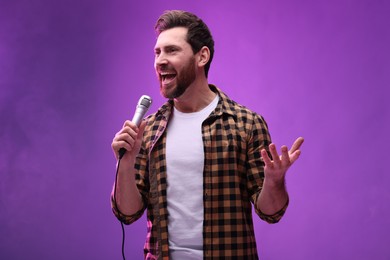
(238, 110)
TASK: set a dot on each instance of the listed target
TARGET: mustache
(164, 68)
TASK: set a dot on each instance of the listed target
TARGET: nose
(160, 60)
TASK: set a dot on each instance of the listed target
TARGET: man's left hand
(275, 170)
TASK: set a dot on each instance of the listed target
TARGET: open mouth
(167, 77)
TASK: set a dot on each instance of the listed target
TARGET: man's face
(174, 62)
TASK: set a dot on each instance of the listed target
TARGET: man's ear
(204, 56)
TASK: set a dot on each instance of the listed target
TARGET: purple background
(72, 71)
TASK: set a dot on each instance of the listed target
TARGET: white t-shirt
(185, 161)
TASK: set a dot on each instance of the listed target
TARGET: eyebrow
(167, 47)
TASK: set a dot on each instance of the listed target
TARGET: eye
(171, 49)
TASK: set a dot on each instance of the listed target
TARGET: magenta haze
(72, 72)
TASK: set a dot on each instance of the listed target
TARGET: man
(199, 163)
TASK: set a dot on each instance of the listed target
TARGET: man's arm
(128, 198)
(273, 196)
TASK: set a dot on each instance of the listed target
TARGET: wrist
(126, 165)
(274, 184)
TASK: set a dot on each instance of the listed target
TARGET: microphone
(140, 111)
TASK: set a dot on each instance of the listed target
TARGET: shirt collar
(225, 105)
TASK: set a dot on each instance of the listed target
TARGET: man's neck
(195, 98)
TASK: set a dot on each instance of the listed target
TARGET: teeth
(164, 75)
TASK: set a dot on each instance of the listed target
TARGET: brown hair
(198, 33)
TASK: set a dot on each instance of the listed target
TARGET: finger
(131, 125)
(274, 154)
(127, 130)
(141, 129)
(139, 136)
(266, 159)
(130, 139)
(296, 145)
(294, 156)
(116, 146)
(285, 156)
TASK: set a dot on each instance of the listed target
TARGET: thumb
(141, 129)
(138, 142)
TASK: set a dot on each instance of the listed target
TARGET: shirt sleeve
(259, 138)
(126, 219)
(274, 218)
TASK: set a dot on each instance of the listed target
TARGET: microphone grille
(145, 101)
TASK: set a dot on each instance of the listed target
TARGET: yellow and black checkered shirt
(233, 137)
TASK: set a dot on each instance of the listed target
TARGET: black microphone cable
(121, 153)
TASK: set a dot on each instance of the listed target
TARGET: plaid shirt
(233, 177)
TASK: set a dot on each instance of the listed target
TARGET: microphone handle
(138, 115)
(142, 107)
(122, 152)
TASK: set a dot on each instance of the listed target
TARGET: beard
(184, 79)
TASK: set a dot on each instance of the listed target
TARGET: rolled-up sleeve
(126, 219)
(274, 218)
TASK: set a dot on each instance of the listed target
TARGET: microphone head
(145, 101)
